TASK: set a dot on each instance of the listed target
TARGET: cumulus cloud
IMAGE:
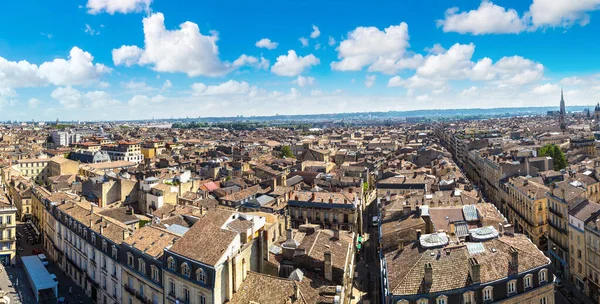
(184, 50)
(245, 60)
(302, 81)
(292, 64)
(304, 41)
(267, 44)
(331, 41)
(384, 51)
(230, 87)
(33, 103)
(71, 98)
(546, 89)
(167, 85)
(488, 18)
(78, 69)
(117, 6)
(315, 33)
(90, 31)
(370, 80)
(143, 100)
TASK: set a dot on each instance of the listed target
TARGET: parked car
(43, 259)
(36, 251)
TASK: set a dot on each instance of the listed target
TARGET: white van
(375, 221)
(43, 259)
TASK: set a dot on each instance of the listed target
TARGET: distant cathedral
(562, 112)
(597, 112)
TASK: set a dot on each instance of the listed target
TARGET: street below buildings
(366, 280)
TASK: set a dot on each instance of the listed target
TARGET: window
(488, 293)
(543, 275)
(512, 287)
(441, 300)
(155, 276)
(185, 269)
(172, 287)
(403, 302)
(141, 266)
(9, 220)
(201, 275)
(527, 281)
(104, 245)
(422, 301)
(130, 282)
(114, 251)
(186, 294)
(469, 297)
(201, 299)
(93, 238)
(543, 300)
(171, 263)
(130, 259)
(141, 289)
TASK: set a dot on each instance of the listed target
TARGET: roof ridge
(411, 269)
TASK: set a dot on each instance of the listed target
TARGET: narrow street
(366, 280)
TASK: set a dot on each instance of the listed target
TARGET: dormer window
(201, 275)
(171, 263)
(512, 287)
(185, 269)
(141, 266)
(130, 259)
(488, 294)
(104, 245)
(543, 276)
(114, 251)
(441, 300)
(527, 281)
(94, 238)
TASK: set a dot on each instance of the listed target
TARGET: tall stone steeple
(562, 112)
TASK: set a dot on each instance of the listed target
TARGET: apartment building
(562, 197)
(8, 231)
(129, 151)
(579, 216)
(329, 210)
(143, 266)
(592, 257)
(34, 168)
(527, 208)
(61, 166)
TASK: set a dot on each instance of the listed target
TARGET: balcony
(557, 228)
(114, 276)
(92, 281)
(555, 212)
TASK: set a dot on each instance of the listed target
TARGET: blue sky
(130, 59)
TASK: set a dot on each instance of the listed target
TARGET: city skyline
(135, 59)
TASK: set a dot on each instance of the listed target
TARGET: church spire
(563, 111)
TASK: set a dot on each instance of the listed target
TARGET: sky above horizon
(138, 59)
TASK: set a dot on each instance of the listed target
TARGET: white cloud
(117, 6)
(304, 81)
(415, 82)
(489, 18)
(245, 60)
(127, 55)
(47, 35)
(370, 80)
(292, 64)
(267, 44)
(470, 91)
(383, 50)
(546, 89)
(104, 85)
(183, 50)
(144, 101)
(78, 69)
(315, 33)
(71, 98)
(67, 96)
(90, 31)
(137, 86)
(562, 13)
(33, 103)
(456, 64)
(317, 46)
(167, 85)
(304, 41)
(230, 87)
(316, 93)
(331, 41)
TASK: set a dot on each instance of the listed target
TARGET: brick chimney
(428, 276)
(514, 257)
(328, 271)
(474, 270)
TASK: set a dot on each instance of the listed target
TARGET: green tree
(286, 151)
(552, 150)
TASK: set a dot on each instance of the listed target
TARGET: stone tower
(563, 112)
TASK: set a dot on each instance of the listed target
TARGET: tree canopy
(552, 150)
(286, 151)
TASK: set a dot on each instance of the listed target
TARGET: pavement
(13, 280)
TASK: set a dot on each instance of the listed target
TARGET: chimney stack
(474, 270)
(514, 257)
(336, 233)
(428, 276)
(406, 210)
(418, 234)
(125, 234)
(328, 267)
(289, 234)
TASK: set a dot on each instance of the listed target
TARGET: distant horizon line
(539, 108)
